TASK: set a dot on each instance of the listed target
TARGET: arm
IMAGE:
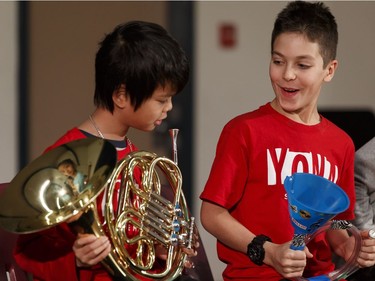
(365, 186)
(343, 246)
(218, 221)
(340, 243)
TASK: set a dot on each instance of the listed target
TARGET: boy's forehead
(297, 35)
(295, 43)
(165, 90)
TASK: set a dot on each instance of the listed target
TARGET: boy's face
(297, 74)
(67, 170)
(152, 111)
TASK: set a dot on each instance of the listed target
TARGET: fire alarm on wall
(227, 35)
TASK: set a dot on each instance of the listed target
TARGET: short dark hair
(142, 56)
(312, 19)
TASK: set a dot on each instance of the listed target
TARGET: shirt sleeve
(229, 171)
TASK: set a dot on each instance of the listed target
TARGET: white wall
(233, 81)
(8, 90)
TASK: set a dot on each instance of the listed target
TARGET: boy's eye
(303, 66)
(277, 61)
(163, 100)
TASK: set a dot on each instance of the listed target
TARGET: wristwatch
(255, 250)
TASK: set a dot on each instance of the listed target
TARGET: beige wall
(64, 37)
(8, 90)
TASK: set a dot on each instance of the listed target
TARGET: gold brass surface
(40, 196)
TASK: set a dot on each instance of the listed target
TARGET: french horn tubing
(145, 211)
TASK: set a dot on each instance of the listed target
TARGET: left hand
(161, 252)
(366, 257)
(191, 252)
(90, 250)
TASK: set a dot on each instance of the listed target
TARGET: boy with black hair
(139, 68)
(244, 201)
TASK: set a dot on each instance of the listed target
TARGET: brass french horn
(144, 207)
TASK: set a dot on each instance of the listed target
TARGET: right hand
(90, 250)
(289, 263)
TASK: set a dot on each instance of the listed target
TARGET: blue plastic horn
(313, 201)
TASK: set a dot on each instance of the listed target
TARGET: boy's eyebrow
(298, 57)
(165, 95)
(169, 93)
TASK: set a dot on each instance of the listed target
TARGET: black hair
(142, 56)
(312, 19)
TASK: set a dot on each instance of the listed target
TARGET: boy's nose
(289, 74)
(169, 105)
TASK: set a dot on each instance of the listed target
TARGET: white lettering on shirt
(283, 162)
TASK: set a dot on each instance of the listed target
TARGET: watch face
(255, 254)
(371, 233)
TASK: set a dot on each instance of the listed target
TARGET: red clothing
(48, 254)
(255, 152)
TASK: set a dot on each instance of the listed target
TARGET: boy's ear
(119, 97)
(331, 68)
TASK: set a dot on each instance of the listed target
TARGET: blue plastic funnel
(313, 200)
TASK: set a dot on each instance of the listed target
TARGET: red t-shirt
(255, 152)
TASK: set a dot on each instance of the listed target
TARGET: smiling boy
(244, 204)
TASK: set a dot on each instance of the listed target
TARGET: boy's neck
(104, 124)
(304, 116)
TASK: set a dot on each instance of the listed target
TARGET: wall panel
(8, 89)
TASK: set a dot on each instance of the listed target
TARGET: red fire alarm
(227, 35)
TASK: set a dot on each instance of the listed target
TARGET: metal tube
(173, 133)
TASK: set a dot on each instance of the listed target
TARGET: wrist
(80, 264)
(255, 249)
